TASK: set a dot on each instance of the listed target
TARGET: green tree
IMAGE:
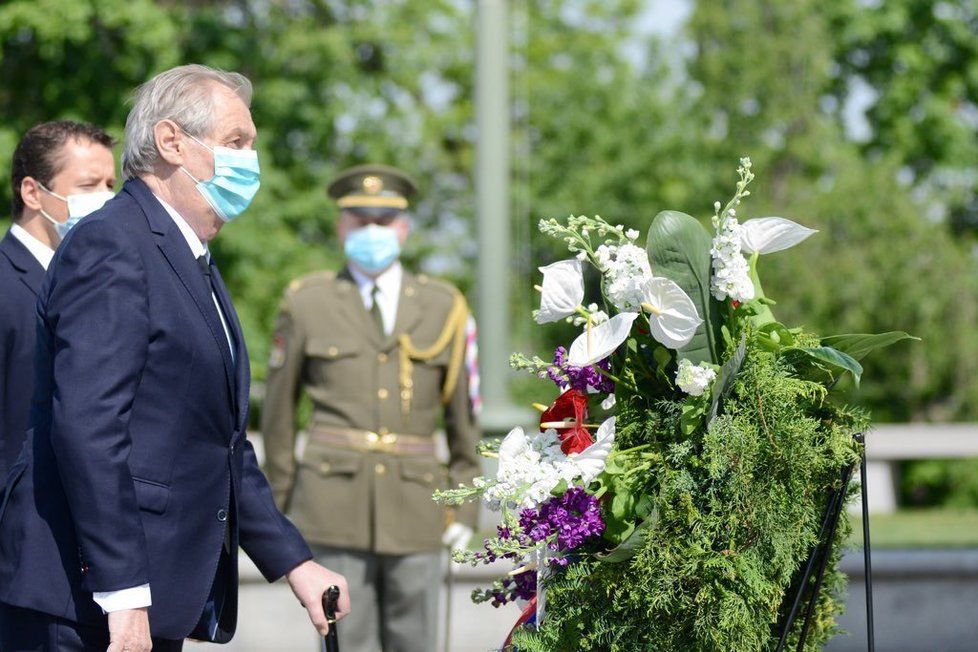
(878, 264)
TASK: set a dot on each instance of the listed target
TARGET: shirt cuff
(134, 598)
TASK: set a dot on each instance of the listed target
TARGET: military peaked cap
(372, 187)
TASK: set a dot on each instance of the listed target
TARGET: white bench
(889, 443)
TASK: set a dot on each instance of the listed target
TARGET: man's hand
(457, 536)
(309, 581)
(129, 631)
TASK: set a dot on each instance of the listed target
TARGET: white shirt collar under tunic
(389, 292)
(38, 249)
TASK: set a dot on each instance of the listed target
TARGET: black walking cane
(330, 598)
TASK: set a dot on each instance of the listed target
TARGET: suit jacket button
(222, 515)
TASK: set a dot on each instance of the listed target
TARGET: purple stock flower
(574, 517)
(580, 378)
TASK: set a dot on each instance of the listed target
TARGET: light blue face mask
(372, 248)
(79, 205)
(234, 184)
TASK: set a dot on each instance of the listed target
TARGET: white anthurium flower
(672, 314)
(765, 235)
(562, 291)
(590, 462)
(598, 342)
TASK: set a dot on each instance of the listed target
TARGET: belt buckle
(372, 441)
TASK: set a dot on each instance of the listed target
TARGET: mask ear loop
(44, 213)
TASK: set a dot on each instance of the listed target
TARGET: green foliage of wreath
(739, 506)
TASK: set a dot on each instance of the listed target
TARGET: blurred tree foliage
(604, 121)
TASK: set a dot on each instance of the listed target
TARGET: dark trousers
(26, 630)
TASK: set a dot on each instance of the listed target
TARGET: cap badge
(372, 185)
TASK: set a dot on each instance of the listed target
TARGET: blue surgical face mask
(79, 205)
(372, 248)
(234, 184)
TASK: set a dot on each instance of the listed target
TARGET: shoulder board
(437, 285)
(311, 280)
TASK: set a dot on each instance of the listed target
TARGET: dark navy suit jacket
(20, 281)
(138, 467)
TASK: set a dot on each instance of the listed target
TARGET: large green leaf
(627, 548)
(861, 345)
(724, 380)
(825, 358)
(679, 249)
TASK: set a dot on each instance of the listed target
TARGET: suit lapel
(357, 313)
(177, 253)
(242, 364)
(30, 271)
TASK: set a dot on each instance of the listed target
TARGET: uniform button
(380, 469)
(382, 393)
(429, 477)
(324, 467)
(333, 351)
(382, 358)
(222, 515)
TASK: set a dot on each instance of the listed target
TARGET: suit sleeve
(463, 434)
(282, 388)
(269, 538)
(96, 310)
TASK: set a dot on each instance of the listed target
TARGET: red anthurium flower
(567, 416)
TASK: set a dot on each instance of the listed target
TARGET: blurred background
(860, 117)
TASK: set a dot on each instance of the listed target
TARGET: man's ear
(30, 193)
(403, 227)
(169, 142)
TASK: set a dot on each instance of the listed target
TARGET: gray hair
(182, 94)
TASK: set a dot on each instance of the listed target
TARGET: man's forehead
(232, 115)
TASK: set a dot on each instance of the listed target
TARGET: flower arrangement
(676, 483)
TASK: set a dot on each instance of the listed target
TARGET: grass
(919, 528)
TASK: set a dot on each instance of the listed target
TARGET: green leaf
(679, 249)
(724, 380)
(825, 355)
(632, 542)
(861, 345)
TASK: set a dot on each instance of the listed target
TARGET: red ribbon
(529, 612)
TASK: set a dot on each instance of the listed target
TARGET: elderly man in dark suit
(138, 485)
(60, 172)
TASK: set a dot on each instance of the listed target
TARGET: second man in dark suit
(61, 171)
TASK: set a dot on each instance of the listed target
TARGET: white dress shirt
(198, 249)
(388, 291)
(38, 249)
(140, 596)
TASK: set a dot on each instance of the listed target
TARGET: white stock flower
(625, 268)
(597, 316)
(694, 379)
(731, 273)
(597, 343)
(672, 314)
(562, 290)
(632, 234)
(528, 469)
(766, 235)
(590, 462)
(608, 402)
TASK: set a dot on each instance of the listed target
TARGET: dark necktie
(205, 268)
(378, 317)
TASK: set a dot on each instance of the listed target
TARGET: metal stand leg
(867, 550)
(819, 555)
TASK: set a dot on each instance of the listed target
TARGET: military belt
(368, 441)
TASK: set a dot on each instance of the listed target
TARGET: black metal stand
(812, 572)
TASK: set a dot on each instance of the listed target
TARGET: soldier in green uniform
(382, 353)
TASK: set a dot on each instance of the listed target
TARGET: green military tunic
(365, 478)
